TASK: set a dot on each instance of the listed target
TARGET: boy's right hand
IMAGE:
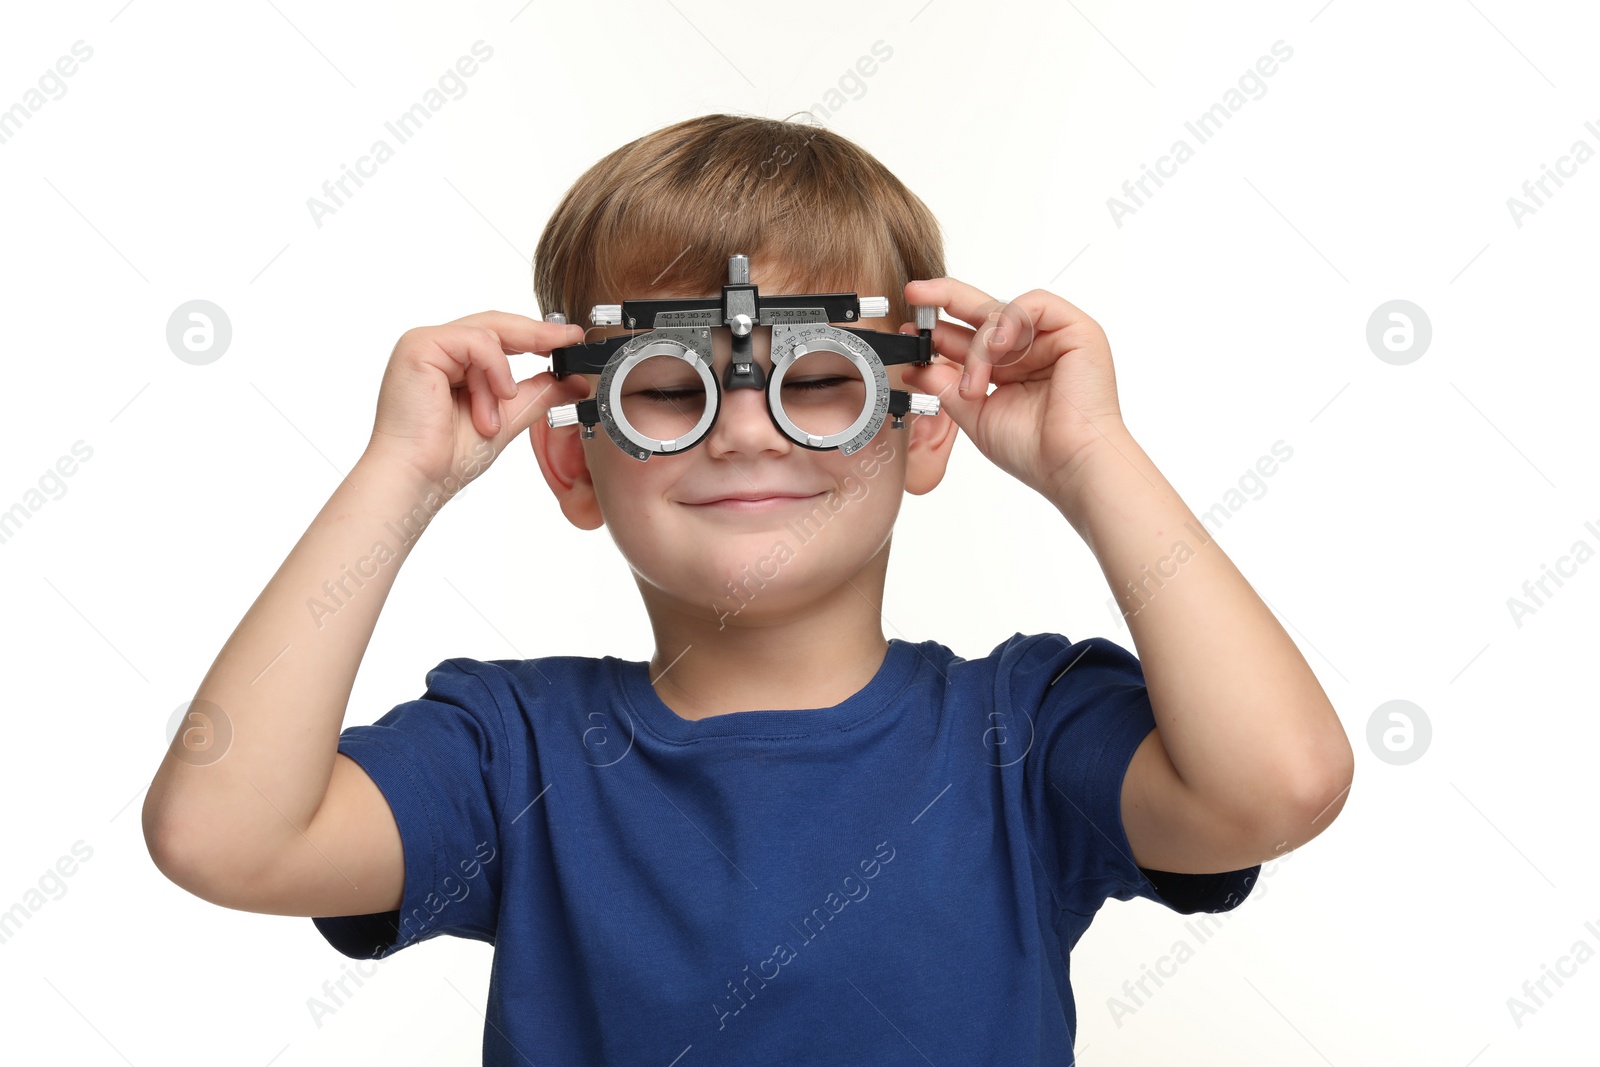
(448, 389)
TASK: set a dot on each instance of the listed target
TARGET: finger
(1023, 320)
(473, 354)
(942, 378)
(971, 304)
(485, 359)
(485, 408)
(950, 339)
(1036, 313)
(537, 395)
(454, 348)
(966, 302)
(957, 343)
(1049, 311)
(510, 333)
(498, 380)
(1007, 320)
(975, 370)
(518, 333)
(999, 327)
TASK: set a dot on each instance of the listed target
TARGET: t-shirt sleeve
(1090, 711)
(441, 762)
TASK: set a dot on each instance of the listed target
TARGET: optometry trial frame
(681, 329)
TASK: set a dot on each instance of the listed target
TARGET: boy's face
(779, 555)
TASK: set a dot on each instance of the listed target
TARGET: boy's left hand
(1055, 401)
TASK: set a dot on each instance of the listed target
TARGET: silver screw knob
(740, 324)
(874, 307)
(927, 317)
(924, 404)
(565, 415)
(557, 318)
(606, 315)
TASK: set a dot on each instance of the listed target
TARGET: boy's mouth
(754, 500)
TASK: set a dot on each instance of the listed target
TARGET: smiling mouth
(768, 503)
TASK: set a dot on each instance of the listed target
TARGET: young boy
(784, 838)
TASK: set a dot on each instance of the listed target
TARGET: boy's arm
(281, 822)
(1248, 757)
(277, 819)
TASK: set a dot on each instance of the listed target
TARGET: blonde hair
(665, 211)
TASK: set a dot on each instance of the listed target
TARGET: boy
(784, 838)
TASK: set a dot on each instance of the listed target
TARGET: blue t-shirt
(898, 876)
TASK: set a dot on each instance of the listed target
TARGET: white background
(1419, 498)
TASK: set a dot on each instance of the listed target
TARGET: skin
(716, 652)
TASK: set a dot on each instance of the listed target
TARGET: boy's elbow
(179, 848)
(1316, 794)
(169, 847)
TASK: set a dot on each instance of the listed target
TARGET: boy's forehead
(770, 284)
(771, 274)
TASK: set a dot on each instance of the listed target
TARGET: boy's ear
(566, 470)
(931, 440)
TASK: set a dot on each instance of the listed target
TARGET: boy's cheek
(871, 460)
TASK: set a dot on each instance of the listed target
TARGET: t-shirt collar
(632, 679)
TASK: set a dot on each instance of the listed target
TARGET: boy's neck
(818, 662)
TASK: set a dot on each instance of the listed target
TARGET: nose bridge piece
(743, 372)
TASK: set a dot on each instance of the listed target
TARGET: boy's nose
(743, 423)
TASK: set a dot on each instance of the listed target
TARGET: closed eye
(813, 384)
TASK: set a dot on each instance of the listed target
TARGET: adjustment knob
(557, 318)
(567, 415)
(923, 404)
(606, 315)
(874, 307)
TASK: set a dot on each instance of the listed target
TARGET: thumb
(942, 378)
(536, 396)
